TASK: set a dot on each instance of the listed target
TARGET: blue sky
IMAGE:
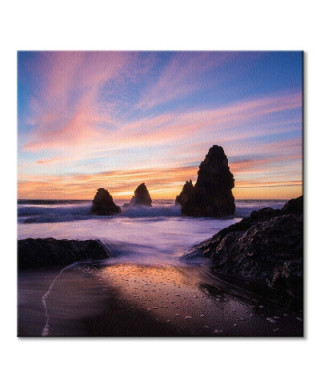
(112, 119)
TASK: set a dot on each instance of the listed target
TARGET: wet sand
(128, 300)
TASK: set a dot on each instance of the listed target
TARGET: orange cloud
(45, 161)
(162, 183)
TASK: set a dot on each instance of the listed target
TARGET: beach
(129, 300)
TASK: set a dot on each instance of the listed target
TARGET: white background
(157, 25)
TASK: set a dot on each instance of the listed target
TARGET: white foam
(66, 212)
(155, 235)
(45, 330)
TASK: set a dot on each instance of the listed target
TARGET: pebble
(299, 319)
(202, 315)
(187, 317)
(270, 320)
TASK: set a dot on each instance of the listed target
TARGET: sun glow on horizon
(117, 119)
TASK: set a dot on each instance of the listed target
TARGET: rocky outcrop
(294, 206)
(265, 249)
(185, 194)
(141, 196)
(49, 252)
(103, 204)
(211, 196)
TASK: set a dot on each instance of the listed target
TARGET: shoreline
(244, 288)
(102, 301)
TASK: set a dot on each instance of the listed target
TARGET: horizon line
(157, 199)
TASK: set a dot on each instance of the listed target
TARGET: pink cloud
(212, 122)
(81, 135)
(67, 116)
(65, 109)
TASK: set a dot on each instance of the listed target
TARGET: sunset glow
(116, 119)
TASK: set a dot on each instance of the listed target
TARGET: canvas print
(160, 194)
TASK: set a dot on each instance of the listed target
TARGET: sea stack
(103, 204)
(211, 196)
(141, 196)
(185, 194)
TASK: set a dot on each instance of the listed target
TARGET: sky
(117, 119)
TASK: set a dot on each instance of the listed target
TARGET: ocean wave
(44, 214)
(52, 211)
(163, 209)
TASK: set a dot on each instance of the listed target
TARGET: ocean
(146, 287)
(140, 234)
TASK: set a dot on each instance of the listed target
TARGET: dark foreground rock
(211, 196)
(294, 206)
(103, 204)
(49, 252)
(264, 250)
(141, 196)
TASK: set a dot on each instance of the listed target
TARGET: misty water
(145, 274)
(151, 235)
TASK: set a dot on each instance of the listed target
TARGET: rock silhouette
(49, 252)
(141, 196)
(294, 206)
(185, 194)
(211, 196)
(103, 204)
(264, 250)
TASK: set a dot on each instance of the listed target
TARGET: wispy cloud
(162, 183)
(65, 107)
(183, 75)
(81, 131)
(45, 161)
(122, 111)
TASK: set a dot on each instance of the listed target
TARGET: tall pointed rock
(212, 193)
(103, 204)
(185, 194)
(141, 196)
